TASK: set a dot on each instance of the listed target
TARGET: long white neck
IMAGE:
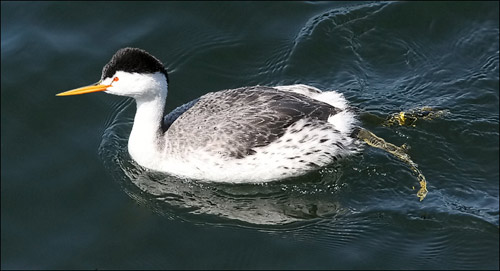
(146, 140)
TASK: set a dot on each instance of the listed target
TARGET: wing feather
(233, 122)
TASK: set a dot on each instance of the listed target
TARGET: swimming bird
(243, 135)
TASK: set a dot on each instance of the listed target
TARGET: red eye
(115, 79)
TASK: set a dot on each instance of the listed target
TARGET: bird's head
(131, 72)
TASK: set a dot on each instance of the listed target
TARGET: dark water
(72, 198)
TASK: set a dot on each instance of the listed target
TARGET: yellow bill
(88, 89)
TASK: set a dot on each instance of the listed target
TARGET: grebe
(243, 135)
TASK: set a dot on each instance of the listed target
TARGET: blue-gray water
(72, 198)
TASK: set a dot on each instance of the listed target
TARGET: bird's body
(250, 134)
(256, 134)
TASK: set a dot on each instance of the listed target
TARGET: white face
(136, 85)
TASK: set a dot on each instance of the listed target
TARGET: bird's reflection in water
(264, 204)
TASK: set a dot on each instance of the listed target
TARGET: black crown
(133, 60)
